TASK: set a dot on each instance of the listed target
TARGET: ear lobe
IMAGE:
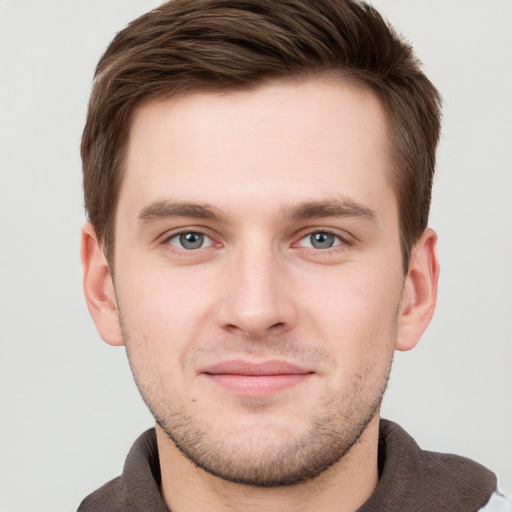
(99, 288)
(420, 292)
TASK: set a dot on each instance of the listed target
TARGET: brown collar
(414, 480)
(411, 480)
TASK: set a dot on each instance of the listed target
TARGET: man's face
(258, 274)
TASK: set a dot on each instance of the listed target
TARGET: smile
(255, 379)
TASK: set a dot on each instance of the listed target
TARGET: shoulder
(108, 497)
(417, 480)
(138, 488)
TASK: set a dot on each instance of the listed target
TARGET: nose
(259, 299)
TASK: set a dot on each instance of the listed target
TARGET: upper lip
(241, 367)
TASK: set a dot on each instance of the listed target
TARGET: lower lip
(256, 385)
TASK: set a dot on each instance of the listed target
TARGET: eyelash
(339, 243)
(183, 233)
(168, 237)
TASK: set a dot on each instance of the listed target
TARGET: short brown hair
(193, 45)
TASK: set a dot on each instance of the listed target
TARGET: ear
(99, 288)
(419, 293)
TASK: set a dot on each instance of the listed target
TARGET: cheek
(161, 317)
(356, 311)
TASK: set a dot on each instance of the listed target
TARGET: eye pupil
(191, 240)
(322, 240)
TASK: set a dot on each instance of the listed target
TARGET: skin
(256, 174)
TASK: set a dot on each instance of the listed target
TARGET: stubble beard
(330, 436)
(291, 462)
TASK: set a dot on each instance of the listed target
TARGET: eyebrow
(330, 208)
(165, 209)
(168, 209)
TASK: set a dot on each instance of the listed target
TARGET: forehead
(283, 142)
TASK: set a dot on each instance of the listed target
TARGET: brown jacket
(411, 480)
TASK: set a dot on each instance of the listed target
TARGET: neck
(344, 487)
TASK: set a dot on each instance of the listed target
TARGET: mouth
(246, 378)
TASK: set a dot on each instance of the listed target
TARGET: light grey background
(69, 409)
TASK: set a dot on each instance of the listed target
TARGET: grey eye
(322, 240)
(190, 241)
